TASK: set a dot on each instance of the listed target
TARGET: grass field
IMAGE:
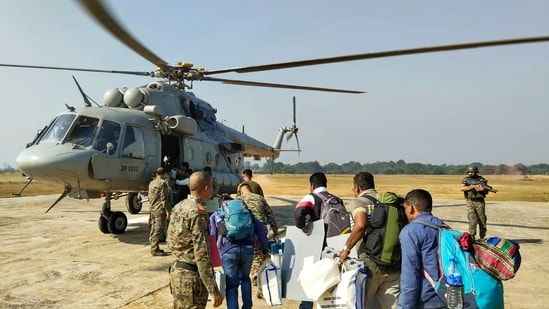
(510, 188)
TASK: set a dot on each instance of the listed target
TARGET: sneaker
(158, 252)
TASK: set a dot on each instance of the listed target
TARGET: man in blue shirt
(419, 253)
(236, 258)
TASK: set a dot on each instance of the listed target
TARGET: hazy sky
(487, 105)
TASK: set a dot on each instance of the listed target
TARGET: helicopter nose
(57, 164)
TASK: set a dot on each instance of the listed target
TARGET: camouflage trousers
(476, 214)
(258, 259)
(187, 289)
(157, 226)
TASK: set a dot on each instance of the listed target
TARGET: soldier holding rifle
(475, 188)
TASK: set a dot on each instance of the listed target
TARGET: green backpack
(386, 218)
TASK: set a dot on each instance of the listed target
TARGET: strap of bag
(436, 227)
(430, 224)
(271, 267)
(371, 198)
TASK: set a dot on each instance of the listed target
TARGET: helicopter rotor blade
(383, 54)
(273, 85)
(290, 136)
(294, 111)
(98, 11)
(74, 69)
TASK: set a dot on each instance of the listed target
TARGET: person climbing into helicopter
(182, 180)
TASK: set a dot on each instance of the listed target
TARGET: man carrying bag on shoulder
(383, 280)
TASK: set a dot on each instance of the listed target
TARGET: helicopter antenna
(84, 95)
(70, 108)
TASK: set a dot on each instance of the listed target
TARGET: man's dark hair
(160, 171)
(318, 180)
(421, 199)
(184, 166)
(364, 181)
(247, 172)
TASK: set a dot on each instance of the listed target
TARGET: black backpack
(386, 218)
(336, 217)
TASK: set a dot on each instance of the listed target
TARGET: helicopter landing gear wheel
(103, 225)
(117, 222)
(134, 203)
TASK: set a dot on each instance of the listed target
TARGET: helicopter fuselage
(117, 147)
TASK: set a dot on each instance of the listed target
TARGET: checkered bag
(499, 257)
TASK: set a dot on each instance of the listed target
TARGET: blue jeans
(237, 263)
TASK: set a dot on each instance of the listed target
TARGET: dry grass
(11, 183)
(511, 188)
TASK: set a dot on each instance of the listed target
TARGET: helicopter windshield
(59, 128)
(83, 131)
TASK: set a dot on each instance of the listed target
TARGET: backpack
(481, 290)
(236, 220)
(499, 257)
(386, 218)
(336, 217)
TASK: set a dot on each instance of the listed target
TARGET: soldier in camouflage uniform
(160, 201)
(474, 194)
(192, 276)
(264, 214)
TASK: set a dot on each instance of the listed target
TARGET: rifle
(482, 182)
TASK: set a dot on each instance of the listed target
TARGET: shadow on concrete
(528, 241)
(501, 224)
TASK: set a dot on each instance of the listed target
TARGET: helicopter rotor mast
(183, 71)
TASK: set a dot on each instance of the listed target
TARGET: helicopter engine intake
(114, 97)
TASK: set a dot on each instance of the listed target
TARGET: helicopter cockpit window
(59, 127)
(134, 143)
(109, 133)
(83, 132)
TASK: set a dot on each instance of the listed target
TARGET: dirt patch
(61, 260)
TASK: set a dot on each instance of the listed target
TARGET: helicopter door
(130, 165)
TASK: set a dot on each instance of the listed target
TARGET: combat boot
(158, 252)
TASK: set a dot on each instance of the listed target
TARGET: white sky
(484, 105)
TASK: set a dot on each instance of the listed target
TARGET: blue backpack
(481, 290)
(236, 223)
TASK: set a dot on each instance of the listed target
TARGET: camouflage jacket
(160, 197)
(473, 194)
(189, 238)
(261, 210)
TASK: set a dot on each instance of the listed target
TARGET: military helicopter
(109, 150)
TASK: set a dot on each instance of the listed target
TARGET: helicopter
(102, 151)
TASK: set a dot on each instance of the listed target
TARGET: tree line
(399, 167)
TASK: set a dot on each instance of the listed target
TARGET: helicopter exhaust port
(183, 125)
